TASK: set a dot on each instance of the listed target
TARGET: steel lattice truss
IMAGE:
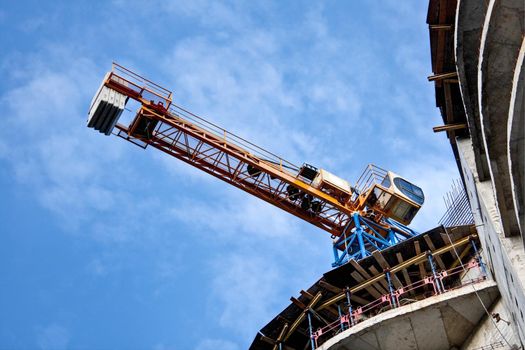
(215, 156)
(165, 126)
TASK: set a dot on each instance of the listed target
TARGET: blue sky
(104, 245)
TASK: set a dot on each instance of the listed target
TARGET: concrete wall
(490, 51)
(486, 334)
(443, 321)
(470, 16)
(505, 256)
(501, 39)
(516, 138)
(487, 40)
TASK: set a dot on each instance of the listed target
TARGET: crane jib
(217, 157)
(374, 211)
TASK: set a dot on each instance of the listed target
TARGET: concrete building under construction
(461, 285)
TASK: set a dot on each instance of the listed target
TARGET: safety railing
(146, 88)
(370, 176)
(259, 152)
(438, 283)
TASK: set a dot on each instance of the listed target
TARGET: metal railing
(370, 176)
(139, 83)
(438, 283)
(231, 138)
(149, 90)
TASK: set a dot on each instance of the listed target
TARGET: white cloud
(249, 85)
(251, 286)
(53, 337)
(409, 57)
(36, 23)
(237, 214)
(248, 286)
(182, 173)
(413, 14)
(260, 255)
(162, 346)
(76, 174)
(216, 344)
(97, 267)
(434, 175)
(3, 149)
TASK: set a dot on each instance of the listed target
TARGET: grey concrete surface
(487, 334)
(470, 16)
(505, 256)
(440, 322)
(501, 39)
(516, 139)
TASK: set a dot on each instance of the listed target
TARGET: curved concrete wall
(490, 54)
(470, 15)
(515, 137)
(500, 43)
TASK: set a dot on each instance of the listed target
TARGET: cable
(475, 291)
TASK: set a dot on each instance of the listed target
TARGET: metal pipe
(390, 288)
(479, 258)
(434, 273)
(442, 76)
(340, 317)
(359, 233)
(412, 261)
(350, 311)
(441, 26)
(392, 238)
(308, 314)
(336, 254)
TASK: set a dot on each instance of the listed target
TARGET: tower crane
(371, 215)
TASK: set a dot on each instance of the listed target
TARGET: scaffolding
(423, 266)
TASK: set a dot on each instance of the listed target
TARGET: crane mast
(358, 218)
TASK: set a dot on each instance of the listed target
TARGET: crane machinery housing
(371, 215)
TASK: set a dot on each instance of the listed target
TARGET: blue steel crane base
(358, 243)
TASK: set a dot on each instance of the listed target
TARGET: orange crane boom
(313, 195)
